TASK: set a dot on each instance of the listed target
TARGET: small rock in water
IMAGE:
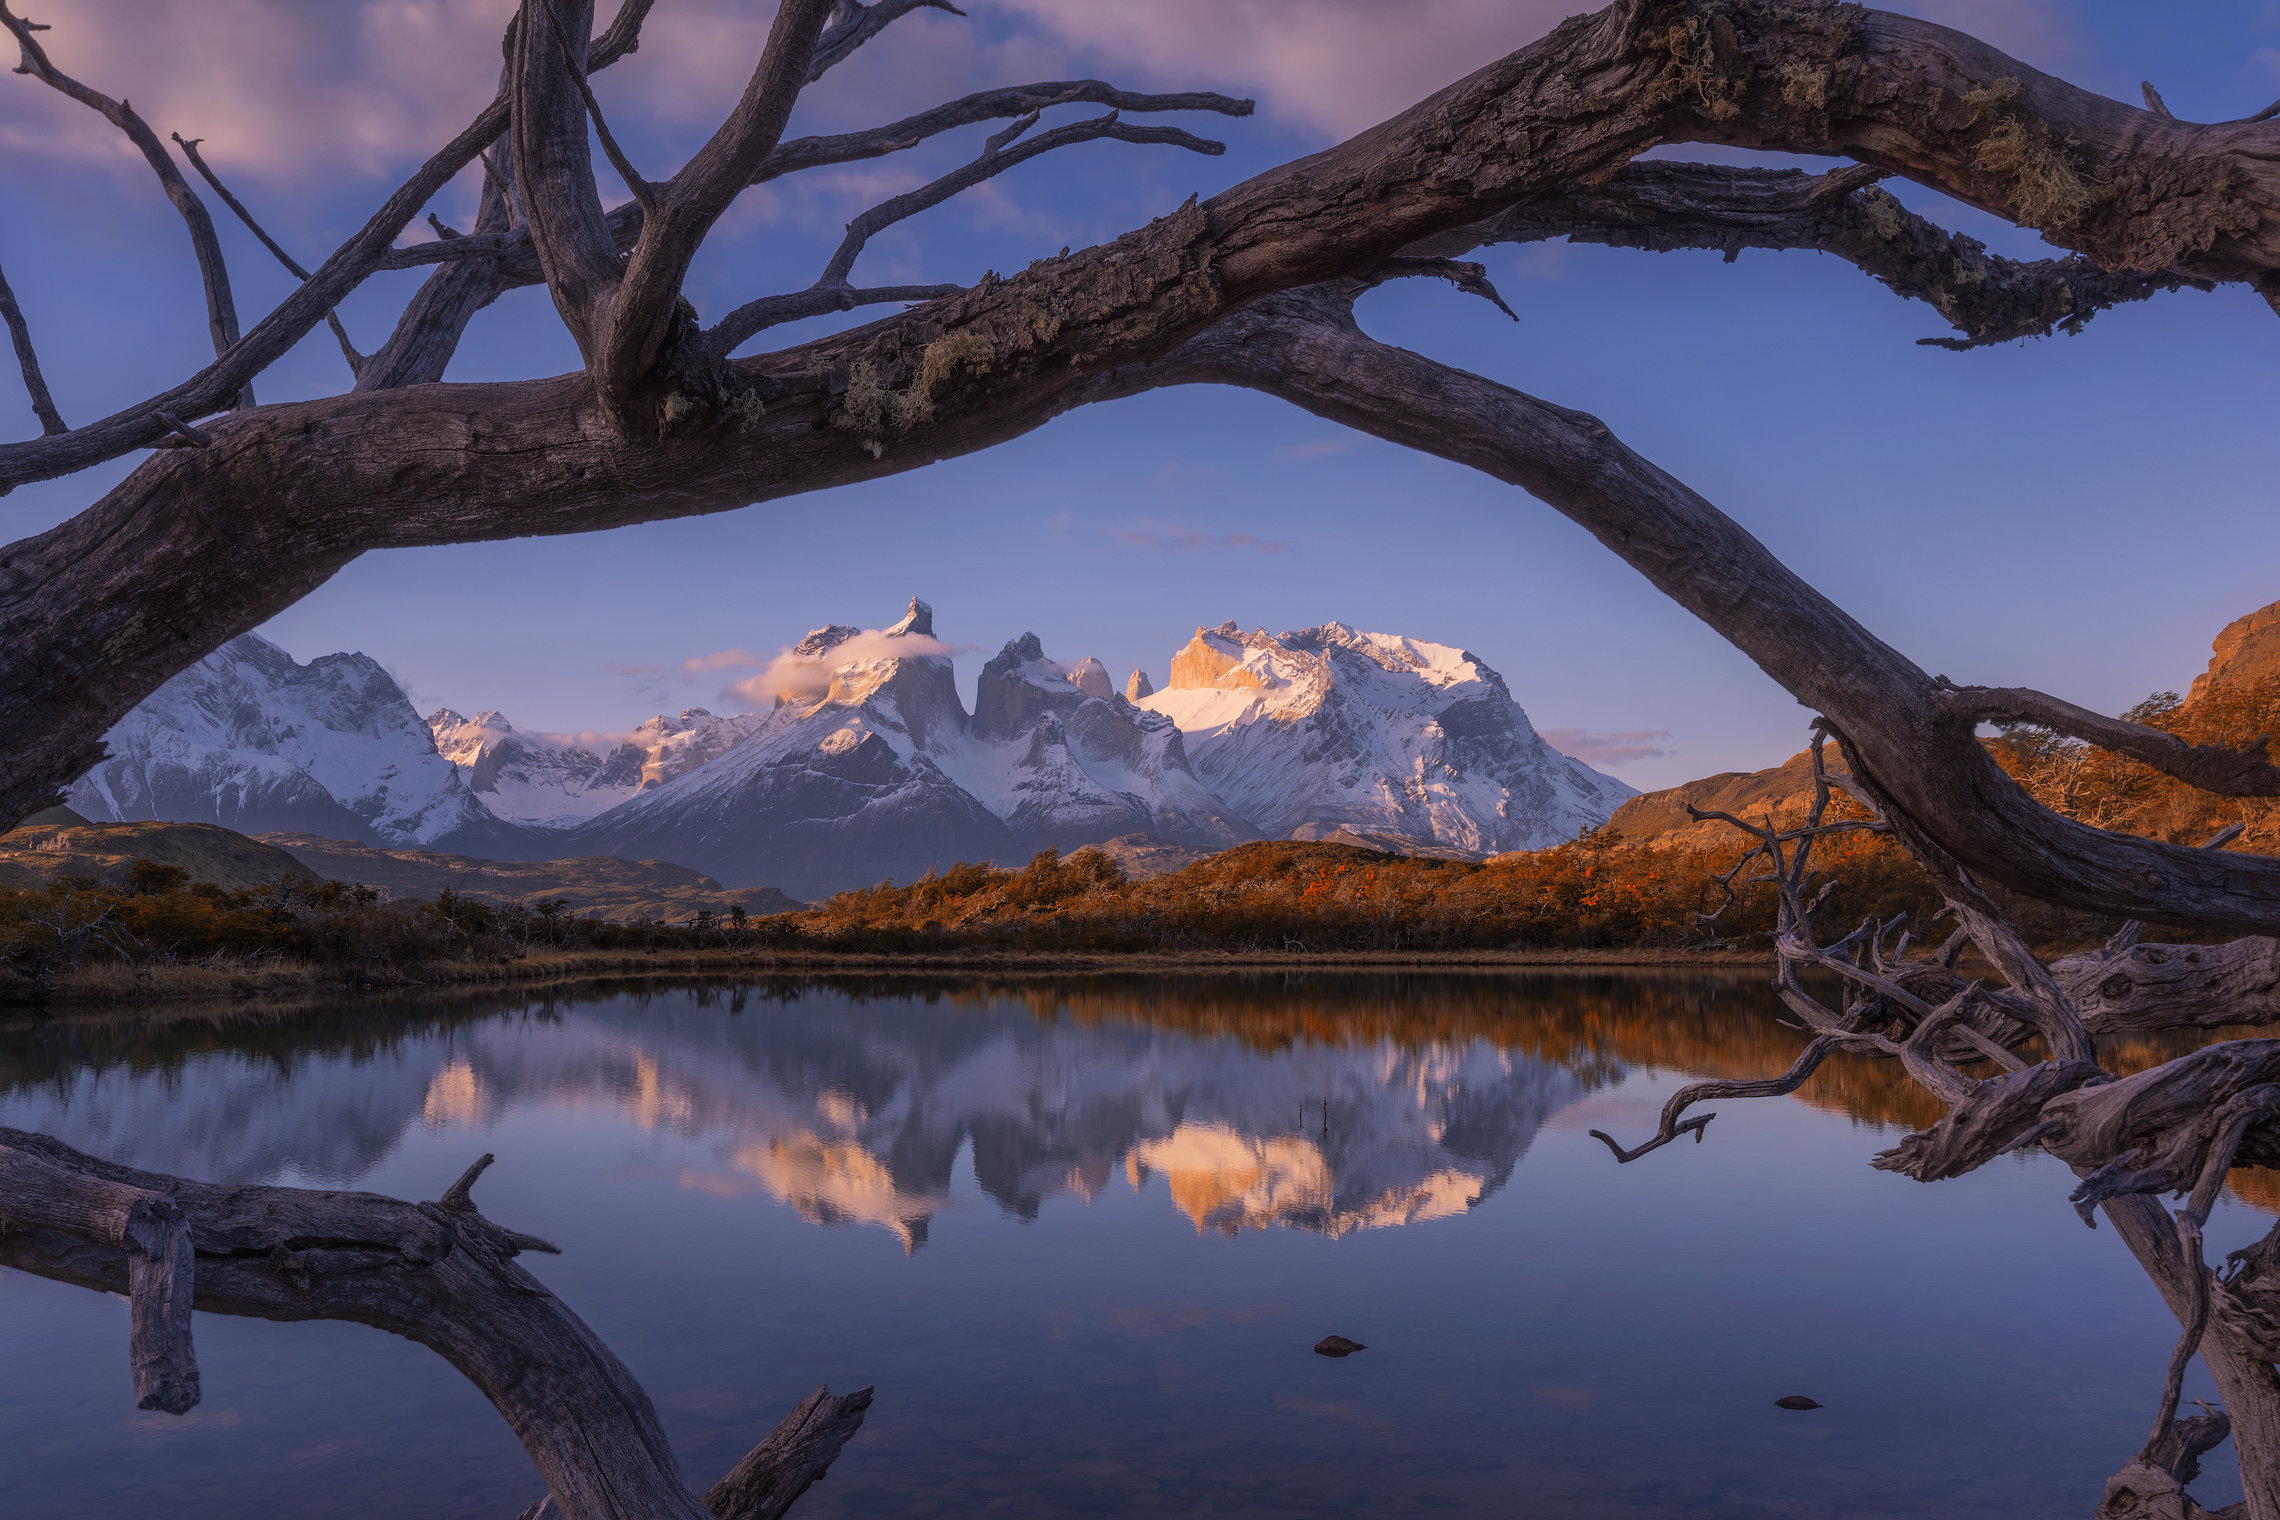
(1797, 1401)
(1337, 1345)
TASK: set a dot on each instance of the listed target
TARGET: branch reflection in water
(1106, 1108)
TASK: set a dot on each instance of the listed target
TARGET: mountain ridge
(868, 766)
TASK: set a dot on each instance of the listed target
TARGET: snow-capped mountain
(1064, 760)
(253, 740)
(869, 768)
(551, 781)
(838, 787)
(1326, 727)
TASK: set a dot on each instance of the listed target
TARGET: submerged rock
(1797, 1401)
(1337, 1345)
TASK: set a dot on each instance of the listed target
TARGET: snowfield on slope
(1328, 727)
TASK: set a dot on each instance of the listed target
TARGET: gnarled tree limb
(437, 1273)
(213, 388)
(2246, 772)
(1662, 206)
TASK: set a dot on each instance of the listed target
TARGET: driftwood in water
(438, 1273)
(2177, 1128)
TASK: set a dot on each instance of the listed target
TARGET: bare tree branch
(28, 360)
(1808, 1061)
(646, 315)
(554, 170)
(983, 105)
(189, 147)
(211, 389)
(437, 1273)
(429, 328)
(854, 23)
(995, 159)
(846, 147)
(1661, 206)
(213, 270)
(2245, 772)
(640, 188)
(1470, 278)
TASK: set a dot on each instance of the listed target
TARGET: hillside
(2232, 702)
(1659, 819)
(592, 884)
(60, 843)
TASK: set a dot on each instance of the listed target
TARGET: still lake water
(1082, 1234)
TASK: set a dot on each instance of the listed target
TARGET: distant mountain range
(869, 766)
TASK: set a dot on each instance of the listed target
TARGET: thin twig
(189, 147)
(213, 270)
(754, 316)
(854, 24)
(35, 383)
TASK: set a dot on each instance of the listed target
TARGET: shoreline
(110, 986)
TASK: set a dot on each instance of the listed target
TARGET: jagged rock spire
(919, 620)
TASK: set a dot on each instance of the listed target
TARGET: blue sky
(2080, 514)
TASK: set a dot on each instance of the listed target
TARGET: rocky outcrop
(1065, 761)
(1137, 685)
(2246, 653)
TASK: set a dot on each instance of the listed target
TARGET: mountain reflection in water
(1324, 1103)
(1149, 1197)
(851, 1110)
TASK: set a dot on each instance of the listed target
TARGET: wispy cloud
(656, 682)
(1318, 448)
(1176, 537)
(1606, 749)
